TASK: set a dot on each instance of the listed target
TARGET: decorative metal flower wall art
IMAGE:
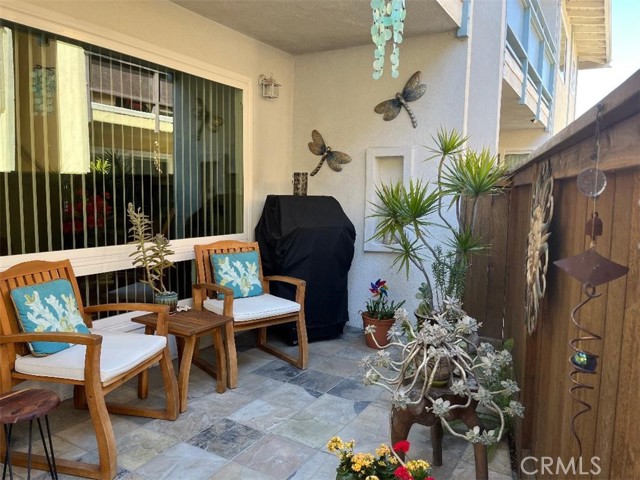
(412, 91)
(537, 244)
(334, 159)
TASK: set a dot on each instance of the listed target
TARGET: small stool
(23, 405)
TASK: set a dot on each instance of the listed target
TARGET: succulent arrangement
(408, 365)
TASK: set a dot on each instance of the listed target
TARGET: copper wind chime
(592, 270)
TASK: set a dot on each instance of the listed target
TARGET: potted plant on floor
(411, 365)
(377, 317)
(418, 217)
(440, 348)
(152, 253)
(386, 464)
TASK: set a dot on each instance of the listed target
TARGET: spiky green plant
(405, 214)
(152, 251)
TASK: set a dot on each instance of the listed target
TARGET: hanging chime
(592, 270)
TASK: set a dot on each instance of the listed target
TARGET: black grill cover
(311, 238)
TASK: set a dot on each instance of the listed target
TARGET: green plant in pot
(378, 315)
(418, 216)
(432, 227)
(420, 360)
(152, 253)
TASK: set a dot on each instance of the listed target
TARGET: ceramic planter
(167, 298)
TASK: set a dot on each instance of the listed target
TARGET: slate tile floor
(274, 426)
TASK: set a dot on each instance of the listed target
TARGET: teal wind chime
(388, 25)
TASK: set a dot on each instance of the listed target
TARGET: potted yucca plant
(441, 350)
(415, 217)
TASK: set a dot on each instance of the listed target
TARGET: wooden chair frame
(206, 284)
(90, 392)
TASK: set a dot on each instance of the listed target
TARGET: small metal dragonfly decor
(334, 159)
(412, 91)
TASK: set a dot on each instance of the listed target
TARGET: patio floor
(273, 426)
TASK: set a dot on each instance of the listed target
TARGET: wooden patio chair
(255, 312)
(95, 364)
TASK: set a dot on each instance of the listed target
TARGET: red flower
(402, 446)
(402, 473)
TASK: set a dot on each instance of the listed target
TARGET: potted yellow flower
(384, 465)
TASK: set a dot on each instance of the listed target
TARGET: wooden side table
(23, 405)
(188, 326)
(402, 420)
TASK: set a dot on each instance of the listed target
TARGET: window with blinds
(85, 131)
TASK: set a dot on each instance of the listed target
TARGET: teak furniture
(255, 319)
(95, 364)
(188, 327)
(402, 420)
(28, 405)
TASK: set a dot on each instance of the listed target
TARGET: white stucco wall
(159, 26)
(487, 40)
(335, 94)
(521, 141)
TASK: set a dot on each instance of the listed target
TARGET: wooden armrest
(88, 339)
(161, 310)
(199, 293)
(300, 285)
(213, 286)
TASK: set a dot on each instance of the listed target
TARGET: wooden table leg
(436, 442)
(180, 348)
(471, 420)
(232, 356)
(221, 361)
(185, 370)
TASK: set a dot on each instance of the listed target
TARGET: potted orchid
(378, 313)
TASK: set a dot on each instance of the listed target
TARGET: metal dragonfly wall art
(412, 91)
(333, 158)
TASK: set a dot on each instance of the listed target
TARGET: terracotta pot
(382, 327)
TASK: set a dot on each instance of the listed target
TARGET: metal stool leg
(7, 457)
(51, 461)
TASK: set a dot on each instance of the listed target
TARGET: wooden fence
(496, 294)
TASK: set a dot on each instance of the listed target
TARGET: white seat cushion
(252, 308)
(120, 353)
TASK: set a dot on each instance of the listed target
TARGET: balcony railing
(533, 50)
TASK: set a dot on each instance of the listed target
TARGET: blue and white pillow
(48, 307)
(239, 271)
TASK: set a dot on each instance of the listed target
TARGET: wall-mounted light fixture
(270, 87)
